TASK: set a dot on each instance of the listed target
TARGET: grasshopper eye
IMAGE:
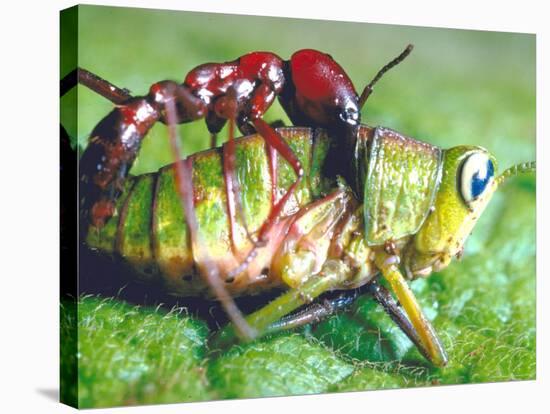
(476, 173)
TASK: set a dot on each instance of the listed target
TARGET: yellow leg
(332, 274)
(426, 333)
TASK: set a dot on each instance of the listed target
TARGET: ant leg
(183, 173)
(261, 99)
(316, 312)
(369, 88)
(234, 204)
(226, 109)
(99, 85)
(226, 106)
(277, 142)
(248, 129)
(231, 185)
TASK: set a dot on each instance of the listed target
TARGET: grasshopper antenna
(518, 169)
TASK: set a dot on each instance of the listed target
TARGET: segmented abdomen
(149, 231)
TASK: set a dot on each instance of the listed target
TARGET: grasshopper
(382, 205)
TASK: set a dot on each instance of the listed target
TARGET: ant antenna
(369, 88)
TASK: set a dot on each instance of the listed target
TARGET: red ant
(312, 88)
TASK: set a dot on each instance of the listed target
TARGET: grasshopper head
(467, 184)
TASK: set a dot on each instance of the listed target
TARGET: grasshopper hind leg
(343, 300)
(333, 274)
(331, 304)
(316, 312)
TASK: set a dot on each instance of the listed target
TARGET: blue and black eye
(476, 174)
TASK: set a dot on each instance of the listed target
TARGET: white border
(29, 207)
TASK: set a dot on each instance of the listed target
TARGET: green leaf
(129, 355)
(284, 365)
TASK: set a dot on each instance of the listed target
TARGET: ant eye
(476, 173)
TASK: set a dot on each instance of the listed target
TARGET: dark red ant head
(321, 93)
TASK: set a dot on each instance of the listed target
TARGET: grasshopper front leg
(428, 341)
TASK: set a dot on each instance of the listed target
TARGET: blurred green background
(457, 87)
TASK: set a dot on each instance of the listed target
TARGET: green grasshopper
(394, 207)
